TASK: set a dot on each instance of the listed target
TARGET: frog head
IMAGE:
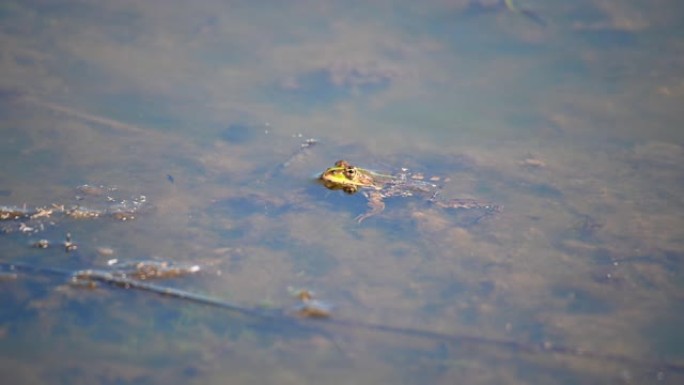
(345, 177)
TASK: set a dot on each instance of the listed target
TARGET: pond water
(193, 119)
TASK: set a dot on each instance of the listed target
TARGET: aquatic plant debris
(90, 202)
(90, 278)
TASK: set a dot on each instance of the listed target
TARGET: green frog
(377, 186)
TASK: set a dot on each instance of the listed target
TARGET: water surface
(569, 119)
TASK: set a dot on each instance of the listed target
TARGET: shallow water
(571, 124)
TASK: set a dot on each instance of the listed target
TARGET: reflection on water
(565, 115)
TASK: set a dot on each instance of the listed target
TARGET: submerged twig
(531, 15)
(478, 7)
(123, 281)
(303, 150)
(90, 118)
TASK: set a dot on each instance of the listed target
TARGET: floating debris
(41, 244)
(82, 213)
(304, 295)
(532, 161)
(93, 202)
(314, 309)
(123, 216)
(12, 213)
(69, 245)
(310, 307)
(105, 252)
(24, 228)
(93, 191)
(144, 270)
(42, 212)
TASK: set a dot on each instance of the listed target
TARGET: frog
(376, 187)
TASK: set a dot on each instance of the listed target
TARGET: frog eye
(350, 172)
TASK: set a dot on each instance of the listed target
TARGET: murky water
(567, 114)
